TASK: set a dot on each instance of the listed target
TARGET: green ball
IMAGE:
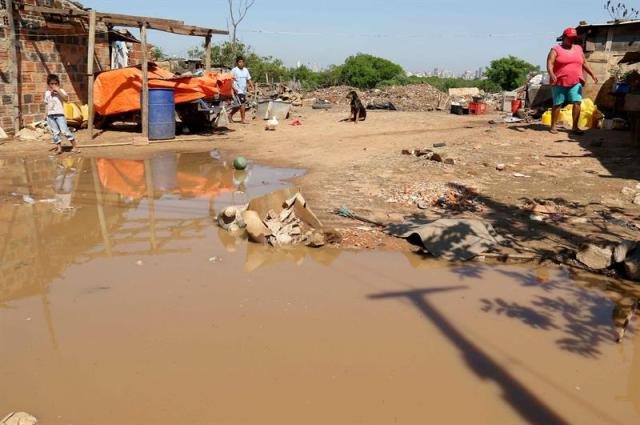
(240, 163)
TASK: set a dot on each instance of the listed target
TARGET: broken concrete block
(622, 250)
(256, 229)
(28, 134)
(595, 257)
(19, 418)
(632, 265)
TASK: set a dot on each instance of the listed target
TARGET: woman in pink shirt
(565, 64)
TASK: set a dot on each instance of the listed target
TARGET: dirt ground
(555, 193)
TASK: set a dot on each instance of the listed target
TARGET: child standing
(54, 98)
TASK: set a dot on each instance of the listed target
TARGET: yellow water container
(546, 118)
(72, 112)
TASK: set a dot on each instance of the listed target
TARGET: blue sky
(418, 34)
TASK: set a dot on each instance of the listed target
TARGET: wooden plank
(90, 60)
(207, 52)
(145, 83)
(70, 12)
(13, 58)
(138, 20)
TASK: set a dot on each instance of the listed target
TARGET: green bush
(366, 71)
(510, 73)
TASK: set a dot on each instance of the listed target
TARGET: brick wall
(51, 45)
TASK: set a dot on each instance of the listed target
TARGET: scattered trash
(231, 219)
(537, 218)
(520, 175)
(385, 106)
(439, 145)
(215, 260)
(214, 154)
(501, 167)
(296, 123)
(452, 239)
(240, 163)
(623, 314)
(27, 199)
(19, 418)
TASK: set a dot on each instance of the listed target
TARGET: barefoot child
(54, 98)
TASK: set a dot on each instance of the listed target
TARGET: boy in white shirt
(241, 85)
(54, 98)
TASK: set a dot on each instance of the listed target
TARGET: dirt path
(579, 181)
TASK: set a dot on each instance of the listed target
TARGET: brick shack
(38, 37)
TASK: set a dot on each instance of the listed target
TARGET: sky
(457, 35)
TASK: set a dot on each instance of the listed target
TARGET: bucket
(162, 114)
(516, 105)
(268, 109)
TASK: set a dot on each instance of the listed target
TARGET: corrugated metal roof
(610, 24)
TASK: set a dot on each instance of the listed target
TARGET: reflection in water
(87, 208)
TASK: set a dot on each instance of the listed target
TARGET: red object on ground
(118, 91)
(516, 105)
(477, 108)
(295, 122)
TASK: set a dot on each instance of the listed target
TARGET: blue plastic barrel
(162, 114)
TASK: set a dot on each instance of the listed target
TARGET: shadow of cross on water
(526, 404)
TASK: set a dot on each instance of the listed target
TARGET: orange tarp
(118, 91)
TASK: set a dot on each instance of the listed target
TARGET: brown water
(122, 303)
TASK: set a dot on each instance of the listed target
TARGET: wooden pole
(145, 82)
(90, 59)
(14, 57)
(207, 49)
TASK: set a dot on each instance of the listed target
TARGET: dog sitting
(358, 111)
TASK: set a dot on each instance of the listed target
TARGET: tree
(367, 71)
(510, 73)
(158, 53)
(237, 16)
(620, 11)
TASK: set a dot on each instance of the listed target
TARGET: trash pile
(411, 98)
(35, 131)
(280, 91)
(279, 219)
(451, 197)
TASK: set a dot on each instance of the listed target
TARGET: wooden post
(90, 59)
(145, 82)
(14, 58)
(207, 49)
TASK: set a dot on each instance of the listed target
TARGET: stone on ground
(632, 265)
(622, 250)
(595, 257)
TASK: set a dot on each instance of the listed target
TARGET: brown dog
(358, 111)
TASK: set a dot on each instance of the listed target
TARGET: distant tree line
(364, 71)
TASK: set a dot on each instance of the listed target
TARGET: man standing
(240, 85)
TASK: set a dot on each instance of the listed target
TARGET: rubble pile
(411, 98)
(451, 197)
(280, 91)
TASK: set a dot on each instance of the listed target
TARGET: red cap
(570, 33)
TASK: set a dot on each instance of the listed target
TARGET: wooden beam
(145, 82)
(70, 12)
(207, 52)
(133, 21)
(90, 60)
(13, 58)
(138, 20)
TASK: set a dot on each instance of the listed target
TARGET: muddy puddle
(121, 302)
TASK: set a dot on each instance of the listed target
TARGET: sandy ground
(578, 180)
